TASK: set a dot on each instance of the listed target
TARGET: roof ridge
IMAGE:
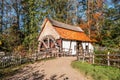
(64, 25)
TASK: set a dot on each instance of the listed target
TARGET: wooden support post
(83, 57)
(48, 42)
(36, 56)
(44, 44)
(108, 58)
(77, 51)
(70, 48)
(20, 59)
(39, 47)
(77, 56)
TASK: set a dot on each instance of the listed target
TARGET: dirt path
(56, 69)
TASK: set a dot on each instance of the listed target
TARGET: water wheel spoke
(48, 42)
(44, 44)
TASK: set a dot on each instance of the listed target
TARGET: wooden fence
(6, 61)
(100, 59)
(12, 60)
(107, 59)
(15, 60)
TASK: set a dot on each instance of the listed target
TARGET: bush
(101, 52)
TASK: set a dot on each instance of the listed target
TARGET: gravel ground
(56, 69)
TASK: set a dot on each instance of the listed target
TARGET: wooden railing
(107, 59)
(100, 59)
(55, 52)
(11, 60)
(85, 55)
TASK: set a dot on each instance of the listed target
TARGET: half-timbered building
(64, 38)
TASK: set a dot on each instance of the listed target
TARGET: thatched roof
(66, 26)
(67, 31)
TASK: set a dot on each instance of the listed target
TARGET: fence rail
(100, 59)
(110, 59)
(13, 60)
(107, 59)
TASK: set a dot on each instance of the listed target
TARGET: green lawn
(97, 72)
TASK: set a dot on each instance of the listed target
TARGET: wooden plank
(44, 44)
(115, 60)
(100, 54)
(48, 40)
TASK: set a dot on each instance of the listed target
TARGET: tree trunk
(2, 8)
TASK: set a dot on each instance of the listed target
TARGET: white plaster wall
(66, 45)
(90, 46)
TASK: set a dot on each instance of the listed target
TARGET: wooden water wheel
(48, 45)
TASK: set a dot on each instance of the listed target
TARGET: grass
(6, 72)
(97, 72)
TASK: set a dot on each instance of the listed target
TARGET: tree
(76, 11)
(11, 38)
(56, 9)
(30, 29)
(1, 15)
(16, 5)
(94, 17)
(110, 30)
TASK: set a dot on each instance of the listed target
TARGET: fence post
(36, 56)
(93, 59)
(108, 58)
(20, 60)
